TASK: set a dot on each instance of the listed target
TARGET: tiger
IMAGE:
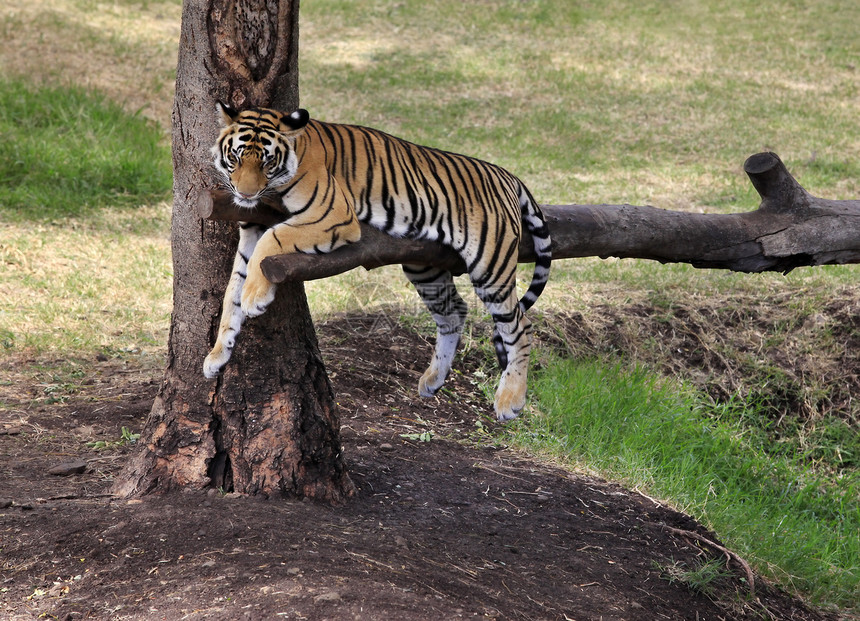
(328, 178)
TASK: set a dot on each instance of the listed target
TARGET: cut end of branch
(761, 162)
(205, 205)
(780, 192)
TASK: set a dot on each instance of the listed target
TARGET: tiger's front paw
(213, 364)
(257, 294)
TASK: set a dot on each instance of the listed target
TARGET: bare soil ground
(449, 528)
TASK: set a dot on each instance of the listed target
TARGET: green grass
(797, 526)
(66, 151)
(84, 258)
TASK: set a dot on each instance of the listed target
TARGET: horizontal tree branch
(791, 228)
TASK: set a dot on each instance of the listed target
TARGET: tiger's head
(255, 151)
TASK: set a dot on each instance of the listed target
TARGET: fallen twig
(729, 554)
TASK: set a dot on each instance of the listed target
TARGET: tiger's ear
(295, 121)
(226, 114)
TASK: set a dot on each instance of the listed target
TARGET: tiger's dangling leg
(512, 338)
(285, 238)
(439, 294)
(232, 316)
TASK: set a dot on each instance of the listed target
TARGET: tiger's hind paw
(504, 415)
(510, 399)
(430, 383)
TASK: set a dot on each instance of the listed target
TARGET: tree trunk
(268, 426)
(790, 229)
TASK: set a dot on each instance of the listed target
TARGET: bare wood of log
(790, 229)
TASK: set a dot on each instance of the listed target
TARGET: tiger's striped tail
(535, 224)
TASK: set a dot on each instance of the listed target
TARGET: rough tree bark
(790, 229)
(268, 426)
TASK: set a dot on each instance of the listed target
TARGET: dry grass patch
(80, 286)
(123, 49)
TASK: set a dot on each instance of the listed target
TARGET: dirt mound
(442, 526)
